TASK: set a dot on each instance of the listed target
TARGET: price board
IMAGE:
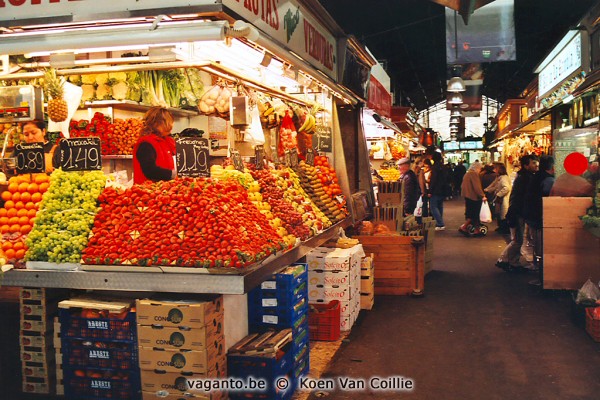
(259, 155)
(310, 157)
(294, 158)
(192, 157)
(323, 138)
(287, 158)
(237, 160)
(30, 158)
(80, 154)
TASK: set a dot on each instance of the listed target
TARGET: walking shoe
(464, 231)
(440, 228)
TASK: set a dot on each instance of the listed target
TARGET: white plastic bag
(589, 293)
(419, 208)
(485, 214)
(254, 133)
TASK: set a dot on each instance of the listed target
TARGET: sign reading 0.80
(80, 154)
(30, 158)
(192, 157)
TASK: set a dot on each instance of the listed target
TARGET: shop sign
(470, 145)
(192, 157)
(80, 154)
(290, 25)
(30, 158)
(566, 62)
(323, 138)
(380, 99)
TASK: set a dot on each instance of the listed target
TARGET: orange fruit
(18, 246)
(6, 245)
(15, 228)
(41, 178)
(25, 229)
(13, 187)
(19, 254)
(19, 205)
(44, 187)
(33, 188)
(31, 221)
(23, 186)
(10, 254)
(11, 213)
(23, 178)
(21, 212)
(4, 220)
(31, 212)
(6, 195)
(13, 220)
(9, 204)
(36, 197)
(25, 197)
(23, 220)
(3, 212)
(4, 228)
(29, 205)
(16, 197)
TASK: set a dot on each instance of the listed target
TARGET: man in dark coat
(410, 185)
(459, 172)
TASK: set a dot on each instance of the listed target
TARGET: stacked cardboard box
(334, 274)
(367, 283)
(38, 307)
(60, 388)
(179, 342)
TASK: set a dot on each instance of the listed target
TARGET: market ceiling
(409, 38)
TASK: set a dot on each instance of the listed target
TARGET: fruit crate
(324, 321)
(285, 287)
(268, 321)
(102, 384)
(300, 339)
(268, 298)
(100, 354)
(74, 326)
(283, 316)
(592, 325)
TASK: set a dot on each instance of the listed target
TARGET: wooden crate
(570, 253)
(399, 263)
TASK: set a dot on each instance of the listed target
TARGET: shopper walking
(500, 191)
(459, 172)
(474, 196)
(437, 191)
(511, 256)
(488, 175)
(410, 186)
(424, 182)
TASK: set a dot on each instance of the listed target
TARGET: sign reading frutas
(324, 139)
(192, 157)
(81, 154)
(30, 158)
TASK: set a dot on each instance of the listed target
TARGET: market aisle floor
(478, 333)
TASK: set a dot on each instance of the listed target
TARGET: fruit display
(10, 130)
(397, 148)
(287, 135)
(186, 222)
(229, 172)
(215, 100)
(389, 174)
(21, 202)
(57, 106)
(66, 216)
(117, 138)
(125, 134)
(311, 182)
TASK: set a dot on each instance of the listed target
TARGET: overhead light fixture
(456, 85)
(386, 123)
(454, 120)
(62, 60)
(452, 137)
(162, 54)
(456, 113)
(455, 98)
(454, 129)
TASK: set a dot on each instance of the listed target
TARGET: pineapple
(57, 106)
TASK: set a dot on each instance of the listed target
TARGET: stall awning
(591, 82)
(541, 120)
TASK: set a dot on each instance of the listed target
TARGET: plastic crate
(75, 327)
(283, 281)
(278, 318)
(113, 355)
(297, 323)
(277, 298)
(300, 339)
(592, 325)
(108, 384)
(324, 321)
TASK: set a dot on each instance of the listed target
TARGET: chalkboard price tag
(324, 138)
(259, 155)
(310, 157)
(237, 160)
(80, 154)
(30, 158)
(287, 158)
(192, 157)
(294, 158)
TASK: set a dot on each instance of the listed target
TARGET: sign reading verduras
(81, 154)
(30, 158)
(192, 157)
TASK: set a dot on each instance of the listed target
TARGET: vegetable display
(117, 138)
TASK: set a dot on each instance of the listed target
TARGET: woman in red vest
(154, 152)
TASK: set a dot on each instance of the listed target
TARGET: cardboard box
(180, 338)
(37, 372)
(176, 383)
(28, 323)
(37, 385)
(40, 341)
(169, 360)
(367, 301)
(328, 278)
(367, 284)
(320, 293)
(334, 259)
(389, 199)
(60, 390)
(36, 355)
(191, 314)
(41, 310)
(41, 294)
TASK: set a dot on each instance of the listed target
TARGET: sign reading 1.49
(81, 154)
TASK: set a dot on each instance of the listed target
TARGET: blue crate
(100, 354)
(73, 326)
(269, 299)
(106, 385)
(273, 320)
(300, 342)
(286, 282)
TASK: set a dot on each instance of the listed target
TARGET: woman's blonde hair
(416, 167)
(156, 117)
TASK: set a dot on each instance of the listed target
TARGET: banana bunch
(268, 117)
(309, 124)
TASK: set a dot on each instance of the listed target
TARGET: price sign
(310, 157)
(294, 158)
(30, 158)
(287, 158)
(259, 155)
(81, 154)
(324, 138)
(192, 157)
(237, 160)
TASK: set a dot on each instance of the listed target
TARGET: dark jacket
(533, 205)
(516, 202)
(438, 180)
(412, 191)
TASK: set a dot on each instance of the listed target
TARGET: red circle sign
(576, 163)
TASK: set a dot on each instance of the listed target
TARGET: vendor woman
(154, 153)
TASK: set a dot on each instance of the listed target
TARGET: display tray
(119, 268)
(51, 266)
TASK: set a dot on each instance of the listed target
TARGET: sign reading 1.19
(192, 157)
(82, 154)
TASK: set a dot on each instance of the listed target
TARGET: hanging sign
(564, 60)
(192, 157)
(259, 155)
(294, 157)
(30, 158)
(310, 157)
(237, 160)
(287, 158)
(324, 138)
(81, 154)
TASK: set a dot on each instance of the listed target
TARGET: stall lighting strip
(591, 121)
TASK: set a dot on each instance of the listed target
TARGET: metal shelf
(128, 105)
(205, 281)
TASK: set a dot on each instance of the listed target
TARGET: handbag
(418, 212)
(485, 214)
